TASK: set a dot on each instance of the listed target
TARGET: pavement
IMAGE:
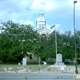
(34, 76)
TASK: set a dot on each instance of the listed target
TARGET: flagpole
(55, 40)
(56, 44)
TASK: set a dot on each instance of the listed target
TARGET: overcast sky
(58, 12)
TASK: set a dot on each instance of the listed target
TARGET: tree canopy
(17, 40)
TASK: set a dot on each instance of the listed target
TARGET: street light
(76, 71)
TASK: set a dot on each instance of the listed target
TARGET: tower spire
(41, 22)
(41, 14)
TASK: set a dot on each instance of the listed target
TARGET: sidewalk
(78, 76)
(36, 69)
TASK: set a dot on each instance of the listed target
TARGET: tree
(78, 45)
(67, 45)
(15, 41)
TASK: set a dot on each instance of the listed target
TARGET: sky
(56, 12)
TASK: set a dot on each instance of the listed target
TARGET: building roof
(43, 31)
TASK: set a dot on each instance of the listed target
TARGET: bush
(32, 62)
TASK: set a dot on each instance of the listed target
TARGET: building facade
(41, 25)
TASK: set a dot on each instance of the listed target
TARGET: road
(36, 76)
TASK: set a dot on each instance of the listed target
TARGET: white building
(41, 25)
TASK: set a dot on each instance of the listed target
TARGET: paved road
(35, 76)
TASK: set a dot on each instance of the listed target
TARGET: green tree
(67, 45)
(15, 41)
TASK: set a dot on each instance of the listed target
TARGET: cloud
(42, 5)
(30, 22)
(14, 10)
(27, 11)
(58, 26)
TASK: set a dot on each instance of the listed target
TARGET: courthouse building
(41, 25)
